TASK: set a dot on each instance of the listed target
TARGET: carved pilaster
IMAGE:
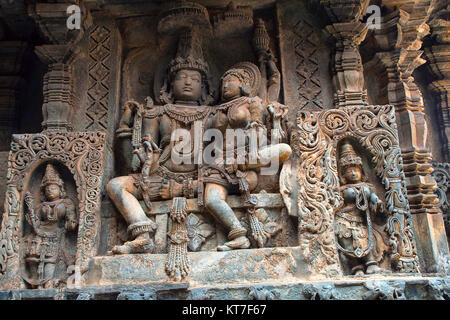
(442, 175)
(438, 56)
(348, 79)
(57, 88)
(398, 42)
(399, 57)
(348, 32)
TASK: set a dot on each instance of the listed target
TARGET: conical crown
(51, 176)
(189, 55)
(348, 156)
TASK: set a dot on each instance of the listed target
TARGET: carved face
(353, 174)
(52, 191)
(231, 87)
(187, 85)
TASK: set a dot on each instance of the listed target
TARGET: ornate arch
(83, 154)
(315, 141)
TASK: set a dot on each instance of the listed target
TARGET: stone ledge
(237, 266)
(390, 288)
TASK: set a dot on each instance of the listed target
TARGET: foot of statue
(238, 243)
(359, 273)
(142, 244)
(373, 269)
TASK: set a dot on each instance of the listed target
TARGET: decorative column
(348, 32)
(438, 56)
(57, 87)
(398, 45)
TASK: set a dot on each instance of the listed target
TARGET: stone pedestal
(213, 268)
(430, 231)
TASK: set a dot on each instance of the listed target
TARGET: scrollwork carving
(83, 154)
(315, 141)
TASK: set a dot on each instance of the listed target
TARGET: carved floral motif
(83, 154)
(315, 142)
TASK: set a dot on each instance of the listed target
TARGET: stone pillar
(398, 53)
(57, 88)
(348, 32)
(438, 57)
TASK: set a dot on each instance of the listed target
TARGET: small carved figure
(49, 221)
(354, 230)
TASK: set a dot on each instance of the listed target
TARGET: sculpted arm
(71, 215)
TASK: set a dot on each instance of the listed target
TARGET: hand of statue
(231, 167)
(277, 110)
(254, 125)
(70, 224)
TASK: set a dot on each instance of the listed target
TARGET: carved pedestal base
(430, 231)
(238, 266)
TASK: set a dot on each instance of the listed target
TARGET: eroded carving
(83, 155)
(315, 142)
(356, 236)
(49, 221)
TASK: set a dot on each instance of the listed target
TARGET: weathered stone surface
(239, 266)
(353, 108)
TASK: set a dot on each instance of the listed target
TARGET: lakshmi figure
(355, 233)
(241, 109)
(49, 220)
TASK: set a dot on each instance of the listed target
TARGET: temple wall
(347, 97)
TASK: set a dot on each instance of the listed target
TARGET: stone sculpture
(241, 109)
(355, 234)
(50, 220)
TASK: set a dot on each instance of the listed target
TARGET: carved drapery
(315, 141)
(83, 154)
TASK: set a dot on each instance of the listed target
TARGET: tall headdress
(249, 76)
(348, 156)
(189, 55)
(51, 176)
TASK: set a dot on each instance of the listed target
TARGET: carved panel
(442, 175)
(307, 67)
(83, 154)
(315, 181)
(3, 171)
(304, 59)
(99, 74)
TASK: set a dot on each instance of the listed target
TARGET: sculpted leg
(372, 265)
(215, 196)
(124, 194)
(272, 154)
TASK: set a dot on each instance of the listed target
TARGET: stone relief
(314, 184)
(356, 237)
(83, 155)
(44, 246)
(337, 201)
